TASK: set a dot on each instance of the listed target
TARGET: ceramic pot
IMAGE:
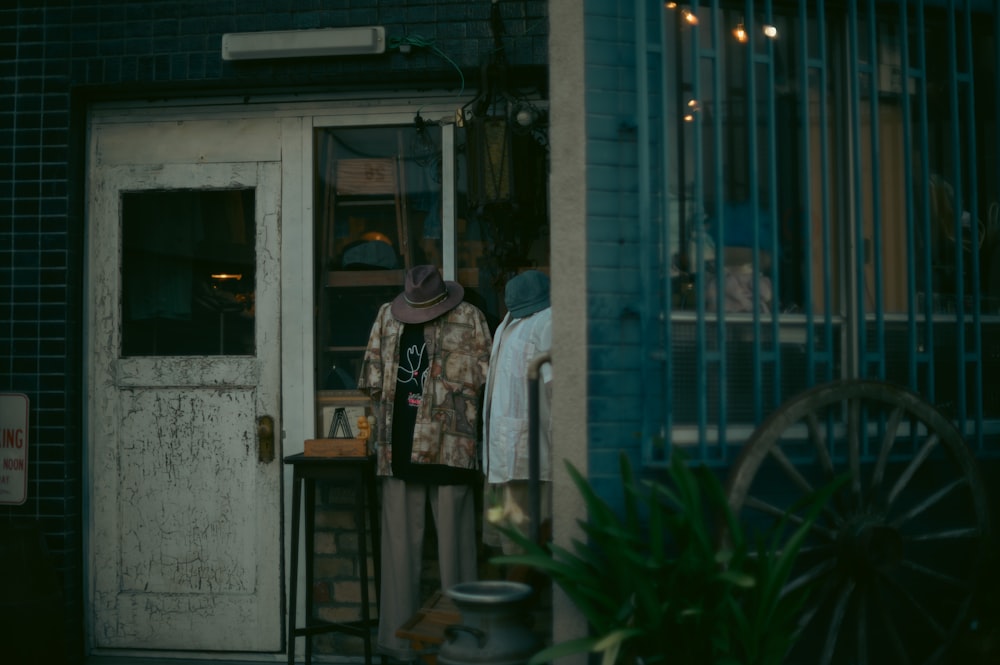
(495, 628)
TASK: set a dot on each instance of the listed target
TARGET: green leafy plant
(657, 583)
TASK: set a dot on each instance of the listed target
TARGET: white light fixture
(303, 43)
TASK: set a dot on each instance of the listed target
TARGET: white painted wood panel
(185, 531)
(188, 142)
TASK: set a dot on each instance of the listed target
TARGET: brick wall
(57, 58)
(337, 590)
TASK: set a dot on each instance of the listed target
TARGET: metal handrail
(534, 464)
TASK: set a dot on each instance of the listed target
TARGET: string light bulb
(770, 31)
(692, 109)
(689, 16)
(740, 33)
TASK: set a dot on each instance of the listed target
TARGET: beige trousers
(403, 511)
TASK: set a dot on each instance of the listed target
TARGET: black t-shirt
(411, 376)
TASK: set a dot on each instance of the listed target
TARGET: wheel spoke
(962, 611)
(948, 534)
(944, 578)
(781, 513)
(808, 615)
(800, 480)
(810, 576)
(817, 434)
(901, 591)
(888, 441)
(790, 470)
(862, 636)
(929, 501)
(829, 647)
(854, 449)
(890, 629)
(813, 549)
(818, 437)
(911, 468)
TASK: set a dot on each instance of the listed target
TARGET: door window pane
(378, 206)
(381, 203)
(188, 273)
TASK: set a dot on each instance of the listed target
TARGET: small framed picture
(338, 416)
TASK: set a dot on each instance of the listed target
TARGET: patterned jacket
(458, 345)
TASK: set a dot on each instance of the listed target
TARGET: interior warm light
(770, 31)
(689, 117)
(740, 33)
(690, 17)
(226, 275)
(670, 5)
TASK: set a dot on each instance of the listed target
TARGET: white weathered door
(183, 372)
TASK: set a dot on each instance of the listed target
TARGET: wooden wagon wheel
(894, 557)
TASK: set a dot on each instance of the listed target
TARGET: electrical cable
(422, 42)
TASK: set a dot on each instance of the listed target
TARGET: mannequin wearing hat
(423, 368)
(524, 333)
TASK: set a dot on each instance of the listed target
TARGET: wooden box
(366, 176)
(336, 447)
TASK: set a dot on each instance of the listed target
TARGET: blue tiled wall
(613, 280)
(54, 59)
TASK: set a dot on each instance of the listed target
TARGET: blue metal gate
(821, 203)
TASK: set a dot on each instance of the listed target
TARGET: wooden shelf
(362, 203)
(469, 277)
(350, 278)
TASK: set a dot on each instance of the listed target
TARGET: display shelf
(353, 278)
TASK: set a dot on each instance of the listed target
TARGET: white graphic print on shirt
(412, 373)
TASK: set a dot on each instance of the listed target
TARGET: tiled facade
(57, 57)
(614, 352)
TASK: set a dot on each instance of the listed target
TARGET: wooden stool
(357, 473)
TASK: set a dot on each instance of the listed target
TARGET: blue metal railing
(826, 133)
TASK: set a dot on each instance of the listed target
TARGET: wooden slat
(336, 447)
(425, 629)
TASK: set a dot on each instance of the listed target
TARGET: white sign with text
(13, 448)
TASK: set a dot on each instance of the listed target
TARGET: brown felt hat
(426, 296)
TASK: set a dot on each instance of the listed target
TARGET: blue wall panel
(613, 241)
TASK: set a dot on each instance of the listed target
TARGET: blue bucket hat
(527, 293)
